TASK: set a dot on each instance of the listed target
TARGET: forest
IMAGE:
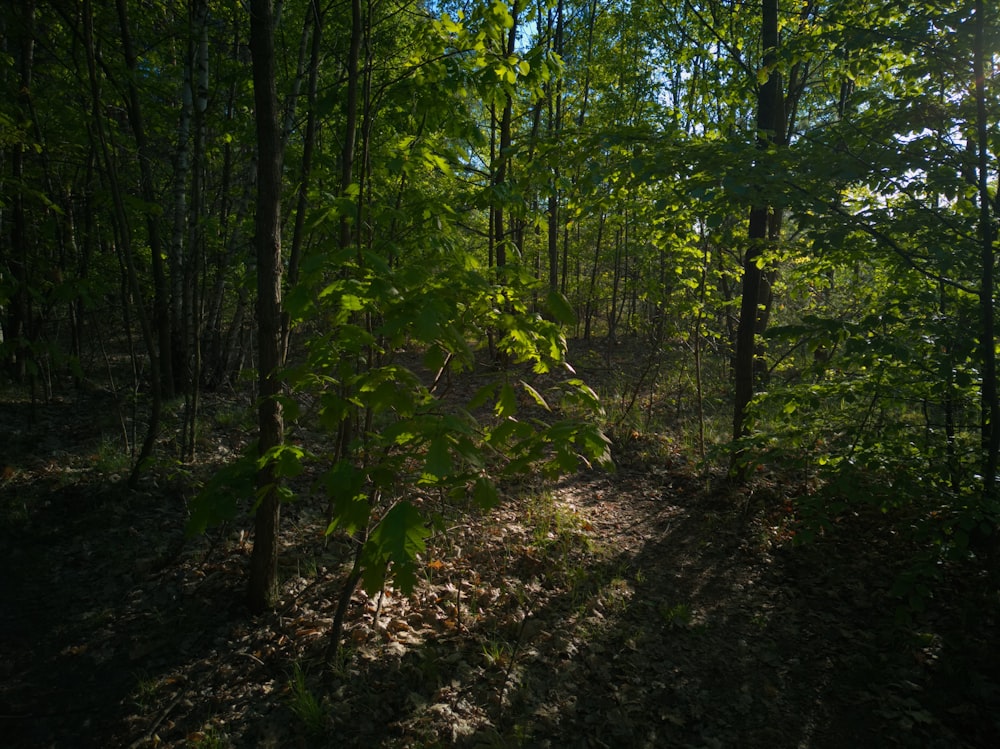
(499, 373)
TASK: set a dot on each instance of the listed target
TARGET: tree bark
(351, 114)
(164, 384)
(124, 235)
(308, 148)
(555, 130)
(989, 403)
(176, 250)
(18, 325)
(763, 225)
(161, 311)
(590, 304)
(193, 303)
(503, 154)
(263, 585)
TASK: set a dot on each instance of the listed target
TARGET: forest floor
(653, 606)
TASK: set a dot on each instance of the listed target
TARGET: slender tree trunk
(491, 240)
(500, 178)
(17, 328)
(351, 113)
(292, 100)
(161, 311)
(347, 426)
(626, 276)
(612, 312)
(308, 149)
(177, 259)
(702, 293)
(591, 303)
(989, 403)
(503, 155)
(222, 345)
(263, 584)
(555, 128)
(565, 260)
(236, 194)
(195, 271)
(161, 317)
(124, 239)
(585, 97)
(215, 354)
(762, 217)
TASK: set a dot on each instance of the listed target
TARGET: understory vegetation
(413, 374)
(655, 604)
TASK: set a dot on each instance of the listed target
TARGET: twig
(156, 723)
(510, 667)
(253, 657)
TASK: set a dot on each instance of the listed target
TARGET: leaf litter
(652, 606)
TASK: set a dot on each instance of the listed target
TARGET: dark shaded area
(655, 607)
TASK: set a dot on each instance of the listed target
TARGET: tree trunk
(235, 195)
(308, 148)
(989, 404)
(18, 324)
(193, 304)
(763, 224)
(161, 311)
(176, 255)
(351, 114)
(555, 128)
(161, 318)
(591, 303)
(612, 311)
(124, 234)
(503, 154)
(263, 585)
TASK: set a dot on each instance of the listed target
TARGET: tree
(635, 163)
(19, 321)
(990, 399)
(764, 223)
(263, 582)
(163, 382)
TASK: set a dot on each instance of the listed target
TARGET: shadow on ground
(662, 610)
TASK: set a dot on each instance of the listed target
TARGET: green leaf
(484, 493)
(560, 307)
(507, 430)
(565, 461)
(482, 396)
(439, 463)
(581, 393)
(536, 396)
(287, 460)
(506, 406)
(595, 445)
(398, 538)
(345, 486)
(351, 303)
(220, 499)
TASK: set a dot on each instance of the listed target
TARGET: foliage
(305, 705)
(611, 151)
(405, 436)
